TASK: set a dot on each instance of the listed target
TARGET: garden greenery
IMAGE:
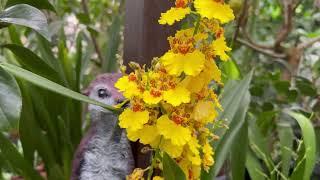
(202, 110)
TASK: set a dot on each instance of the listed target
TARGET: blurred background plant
(69, 42)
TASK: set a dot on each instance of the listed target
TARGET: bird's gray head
(102, 89)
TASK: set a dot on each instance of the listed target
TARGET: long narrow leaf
(32, 62)
(49, 85)
(16, 161)
(10, 101)
(239, 153)
(309, 141)
(286, 138)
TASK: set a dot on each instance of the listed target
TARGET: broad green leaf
(235, 101)
(232, 97)
(231, 70)
(30, 129)
(286, 137)
(231, 136)
(26, 15)
(254, 168)
(239, 152)
(32, 62)
(309, 141)
(40, 4)
(110, 61)
(51, 86)
(16, 161)
(10, 101)
(171, 170)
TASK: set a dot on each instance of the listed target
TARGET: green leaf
(10, 101)
(25, 15)
(306, 87)
(259, 145)
(253, 166)
(14, 35)
(239, 152)
(51, 86)
(40, 4)
(16, 161)
(30, 130)
(286, 137)
(231, 136)
(171, 170)
(230, 70)
(110, 61)
(79, 61)
(309, 141)
(32, 62)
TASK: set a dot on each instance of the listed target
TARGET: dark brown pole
(144, 39)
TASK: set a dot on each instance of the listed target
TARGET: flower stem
(153, 163)
(196, 29)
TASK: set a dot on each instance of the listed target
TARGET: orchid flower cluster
(172, 105)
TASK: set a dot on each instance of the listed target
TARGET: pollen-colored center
(155, 93)
(132, 77)
(177, 119)
(136, 107)
(182, 45)
(181, 3)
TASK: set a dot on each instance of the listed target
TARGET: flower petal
(173, 15)
(220, 48)
(177, 96)
(191, 63)
(212, 9)
(133, 120)
(177, 134)
(129, 88)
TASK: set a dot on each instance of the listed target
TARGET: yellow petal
(173, 15)
(148, 134)
(205, 111)
(194, 63)
(133, 120)
(174, 151)
(173, 63)
(149, 99)
(177, 134)
(220, 48)
(129, 88)
(193, 153)
(213, 72)
(157, 178)
(133, 135)
(212, 9)
(190, 63)
(197, 83)
(177, 96)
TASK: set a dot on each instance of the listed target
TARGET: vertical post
(144, 39)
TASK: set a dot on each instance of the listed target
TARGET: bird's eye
(103, 93)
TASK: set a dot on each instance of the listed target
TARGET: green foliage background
(51, 50)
